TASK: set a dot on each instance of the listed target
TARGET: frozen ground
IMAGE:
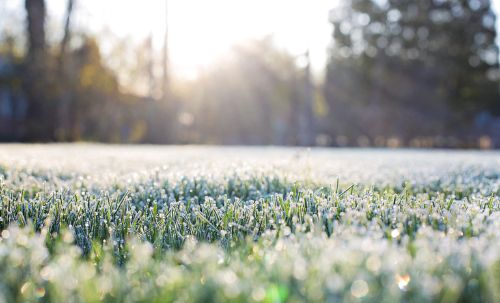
(115, 163)
(105, 223)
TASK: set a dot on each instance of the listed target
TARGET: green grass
(115, 224)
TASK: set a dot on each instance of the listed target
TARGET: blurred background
(396, 73)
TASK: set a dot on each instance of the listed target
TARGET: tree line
(414, 70)
(399, 73)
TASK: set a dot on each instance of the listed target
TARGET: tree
(256, 96)
(40, 114)
(64, 73)
(410, 68)
(94, 94)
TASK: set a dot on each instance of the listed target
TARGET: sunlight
(249, 151)
(202, 31)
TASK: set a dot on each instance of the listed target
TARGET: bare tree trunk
(64, 123)
(39, 124)
(307, 132)
(165, 84)
(67, 27)
(36, 13)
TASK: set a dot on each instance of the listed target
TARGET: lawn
(92, 223)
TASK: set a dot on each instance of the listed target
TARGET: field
(92, 223)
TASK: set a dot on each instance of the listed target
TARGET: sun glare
(202, 31)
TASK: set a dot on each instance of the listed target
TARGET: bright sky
(202, 30)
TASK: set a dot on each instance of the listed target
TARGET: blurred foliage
(66, 92)
(400, 73)
(411, 68)
(253, 96)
